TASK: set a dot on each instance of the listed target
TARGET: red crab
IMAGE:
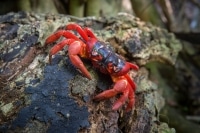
(102, 57)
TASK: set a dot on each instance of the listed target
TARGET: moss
(6, 108)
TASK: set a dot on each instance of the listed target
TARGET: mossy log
(36, 96)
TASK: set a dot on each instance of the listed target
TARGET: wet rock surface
(43, 97)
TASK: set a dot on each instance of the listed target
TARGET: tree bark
(40, 97)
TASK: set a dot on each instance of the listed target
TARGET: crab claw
(126, 68)
(123, 87)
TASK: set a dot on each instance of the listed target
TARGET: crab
(102, 57)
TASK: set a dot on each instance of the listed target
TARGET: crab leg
(77, 48)
(133, 66)
(58, 34)
(131, 97)
(121, 86)
(58, 47)
(122, 99)
(78, 29)
(89, 33)
(130, 81)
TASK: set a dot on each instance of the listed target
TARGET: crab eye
(116, 69)
(94, 53)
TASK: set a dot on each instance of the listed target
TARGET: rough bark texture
(36, 96)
